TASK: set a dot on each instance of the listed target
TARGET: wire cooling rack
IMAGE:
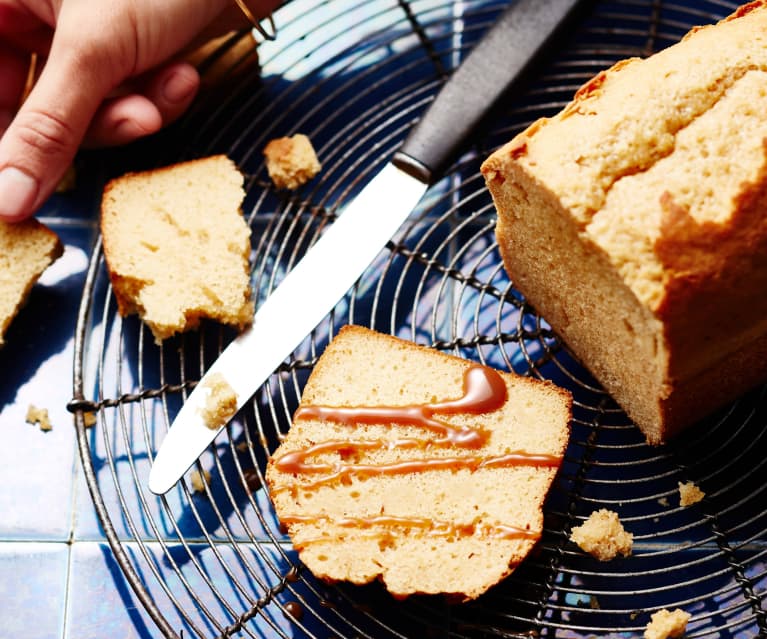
(212, 561)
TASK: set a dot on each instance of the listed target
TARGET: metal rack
(354, 76)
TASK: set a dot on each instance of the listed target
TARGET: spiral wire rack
(210, 559)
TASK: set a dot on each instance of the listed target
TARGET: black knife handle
(520, 34)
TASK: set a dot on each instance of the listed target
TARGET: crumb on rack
(291, 161)
(665, 623)
(199, 481)
(689, 493)
(39, 416)
(221, 403)
(602, 535)
(89, 419)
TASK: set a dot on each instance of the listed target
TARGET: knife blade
(363, 228)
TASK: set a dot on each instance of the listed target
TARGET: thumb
(43, 137)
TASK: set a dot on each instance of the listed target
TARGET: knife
(364, 227)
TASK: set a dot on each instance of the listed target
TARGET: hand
(107, 78)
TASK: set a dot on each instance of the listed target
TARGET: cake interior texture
(415, 507)
(635, 222)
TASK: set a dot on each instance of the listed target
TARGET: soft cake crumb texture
(39, 416)
(665, 623)
(221, 402)
(634, 222)
(199, 480)
(364, 368)
(177, 246)
(291, 161)
(689, 494)
(602, 535)
(26, 250)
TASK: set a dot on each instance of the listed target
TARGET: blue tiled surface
(56, 566)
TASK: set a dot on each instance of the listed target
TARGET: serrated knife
(321, 278)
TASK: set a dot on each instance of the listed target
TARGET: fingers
(14, 67)
(167, 95)
(42, 139)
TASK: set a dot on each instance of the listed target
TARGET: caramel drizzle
(484, 391)
(431, 527)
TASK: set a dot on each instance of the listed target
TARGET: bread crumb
(39, 416)
(602, 535)
(291, 162)
(221, 403)
(666, 623)
(199, 480)
(689, 494)
(68, 181)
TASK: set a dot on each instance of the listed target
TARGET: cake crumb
(602, 535)
(221, 403)
(291, 161)
(199, 480)
(665, 623)
(40, 417)
(663, 501)
(89, 419)
(689, 493)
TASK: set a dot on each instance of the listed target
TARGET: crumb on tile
(689, 493)
(665, 623)
(199, 481)
(602, 535)
(291, 161)
(221, 403)
(39, 416)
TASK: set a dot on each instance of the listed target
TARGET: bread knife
(320, 279)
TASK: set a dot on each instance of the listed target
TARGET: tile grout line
(71, 536)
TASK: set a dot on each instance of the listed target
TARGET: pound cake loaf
(417, 468)
(26, 249)
(635, 222)
(177, 247)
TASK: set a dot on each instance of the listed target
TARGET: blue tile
(196, 589)
(36, 369)
(33, 579)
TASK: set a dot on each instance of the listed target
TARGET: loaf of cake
(417, 468)
(26, 249)
(177, 246)
(635, 222)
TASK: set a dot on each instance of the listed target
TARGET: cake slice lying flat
(26, 250)
(177, 246)
(418, 468)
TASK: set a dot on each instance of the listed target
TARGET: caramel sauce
(484, 391)
(431, 527)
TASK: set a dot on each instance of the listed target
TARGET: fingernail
(179, 87)
(18, 192)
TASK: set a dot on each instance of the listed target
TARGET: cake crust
(634, 222)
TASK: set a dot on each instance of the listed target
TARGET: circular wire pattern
(209, 559)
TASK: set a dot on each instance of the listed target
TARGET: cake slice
(26, 249)
(177, 246)
(417, 468)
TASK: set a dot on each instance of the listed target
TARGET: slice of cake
(417, 468)
(26, 249)
(177, 246)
